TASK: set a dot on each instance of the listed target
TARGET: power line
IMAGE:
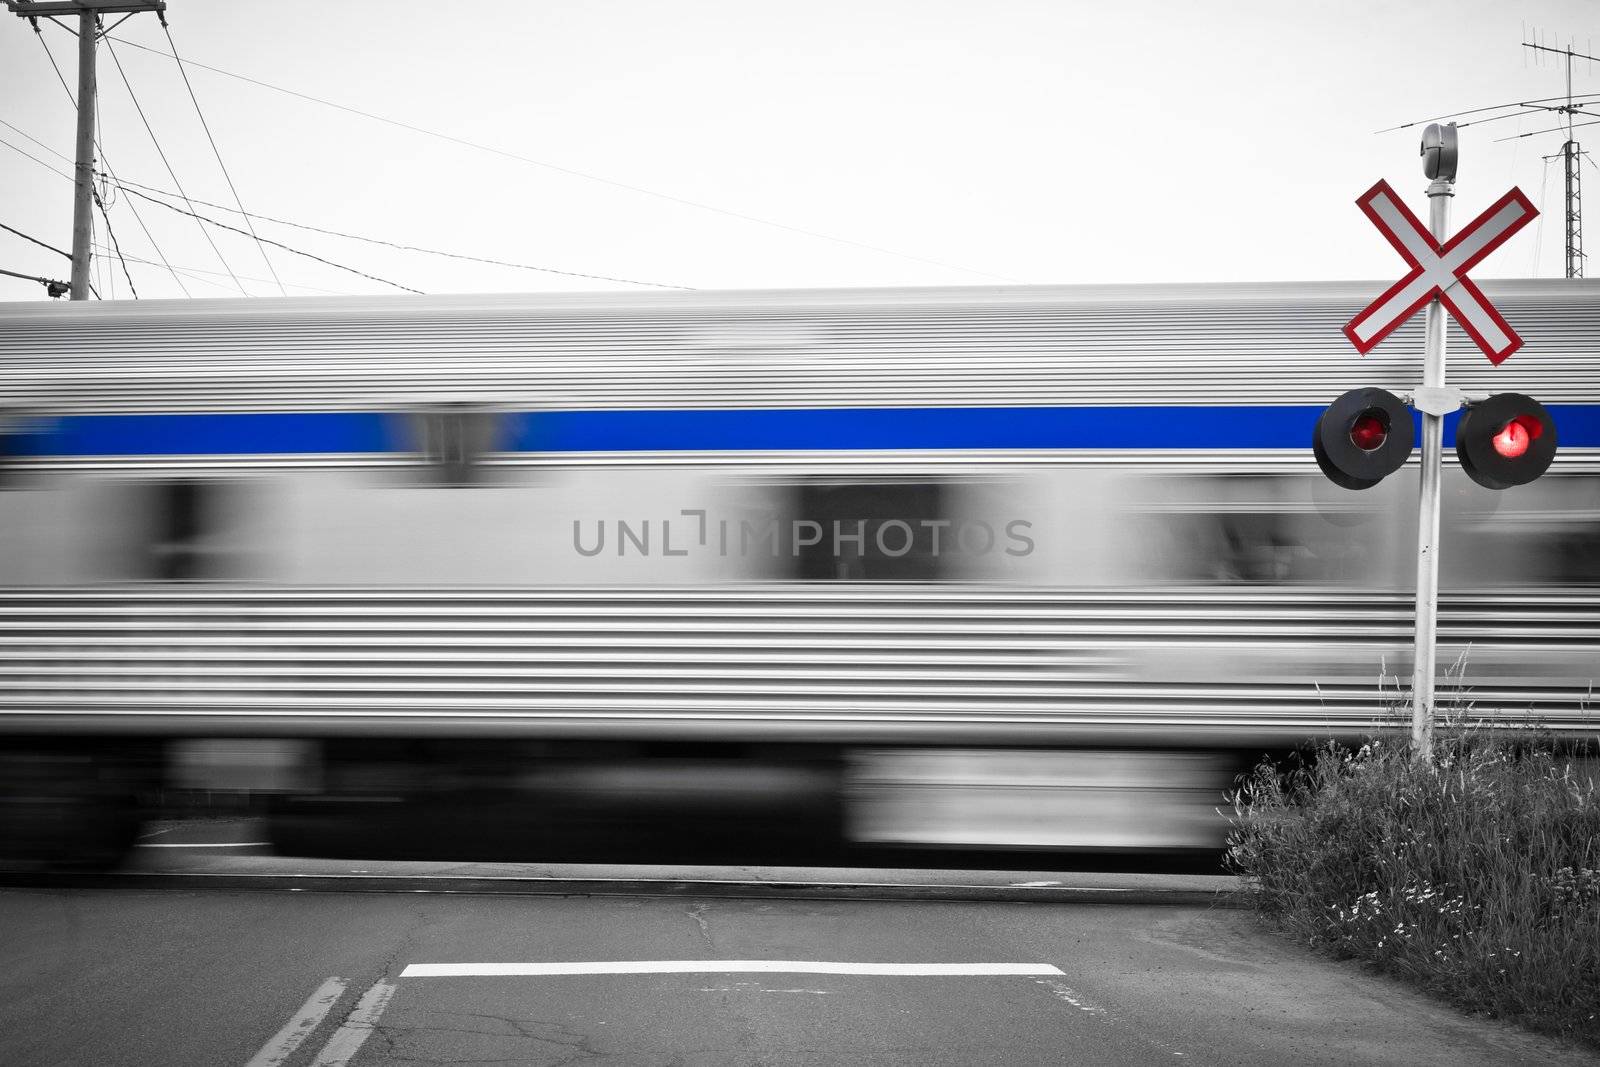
(214, 150)
(133, 208)
(112, 234)
(134, 188)
(36, 159)
(101, 204)
(35, 240)
(404, 247)
(41, 244)
(275, 244)
(198, 274)
(698, 205)
(204, 233)
(35, 140)
(130, 189)
(104, 158)
(115, 180)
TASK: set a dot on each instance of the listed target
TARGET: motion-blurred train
(975, 568)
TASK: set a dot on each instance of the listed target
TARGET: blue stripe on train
(767, 429)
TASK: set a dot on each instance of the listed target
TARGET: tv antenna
(1568, 109)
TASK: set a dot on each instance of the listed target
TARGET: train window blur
(870, 531)
(454, 439)
(1255, 528)
(186, 520)
(1547, 533)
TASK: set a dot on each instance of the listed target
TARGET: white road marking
(283, 1043)
(757, 987)
(358, 1026)
(157, 833)
(223, 844)
(497, 970)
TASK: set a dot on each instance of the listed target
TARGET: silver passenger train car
(977, 567)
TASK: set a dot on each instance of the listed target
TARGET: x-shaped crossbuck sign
(1440, 271)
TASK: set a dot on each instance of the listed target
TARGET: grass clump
(1476, 877)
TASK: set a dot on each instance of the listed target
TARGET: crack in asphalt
(697, 912)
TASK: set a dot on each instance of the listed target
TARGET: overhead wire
(116, 182)
(172, 174)
(132, 186)
(275, 244)
(104, 158)
(35, 240)
(110, 233)
(213, 142)
(128, 185)
(66, 255)
(134, 209)
(24, 152)
(200, 275)
(1538, 233)
(642, 190)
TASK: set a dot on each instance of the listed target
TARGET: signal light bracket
(1440, 399)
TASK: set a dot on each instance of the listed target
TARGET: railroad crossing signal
(1366, 434)
(1440, 271)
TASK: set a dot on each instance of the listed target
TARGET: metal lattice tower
(1573, 158)
(1572, 161)
(1563, 108)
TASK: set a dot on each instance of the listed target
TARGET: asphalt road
(229, 979)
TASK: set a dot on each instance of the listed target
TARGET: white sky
(1044, 142)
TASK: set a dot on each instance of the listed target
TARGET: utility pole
(88, 12)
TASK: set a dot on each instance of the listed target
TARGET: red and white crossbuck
(1440, 271)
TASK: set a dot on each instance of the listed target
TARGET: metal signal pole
(88, 12)
(1439, 153)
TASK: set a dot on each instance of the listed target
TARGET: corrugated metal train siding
(894, 663)
(1015, 346)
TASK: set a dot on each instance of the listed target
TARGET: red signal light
(1512, 440)
(1505, 440)
(1363, 437)
(1368, 432)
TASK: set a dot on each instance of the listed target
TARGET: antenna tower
(1572, 160)
(1565, 108)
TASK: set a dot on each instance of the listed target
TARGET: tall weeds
(1477, 877)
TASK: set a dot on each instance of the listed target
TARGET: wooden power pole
(88, 12)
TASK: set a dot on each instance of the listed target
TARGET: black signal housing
(1506, 440)
(1363, 437)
